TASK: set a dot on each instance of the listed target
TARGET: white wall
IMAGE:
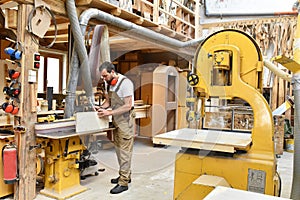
(248, 7)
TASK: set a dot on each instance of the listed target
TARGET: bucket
(289, 145)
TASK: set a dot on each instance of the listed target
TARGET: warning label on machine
(256, 181)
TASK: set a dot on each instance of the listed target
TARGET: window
(52, 73)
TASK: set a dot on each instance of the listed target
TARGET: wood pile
(279, 134)
(218, 120)
(274, 36)
(243, 121)
(229, 120)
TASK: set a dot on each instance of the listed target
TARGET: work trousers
(123, 137)
(124, 147)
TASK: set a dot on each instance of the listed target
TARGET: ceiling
(119, 40)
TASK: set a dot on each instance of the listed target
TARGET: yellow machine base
(239, 171)
(202, 186)
(226, 193)
(66, 193)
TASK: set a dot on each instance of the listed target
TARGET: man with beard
(120, 98)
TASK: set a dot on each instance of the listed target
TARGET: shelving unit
(176, 17)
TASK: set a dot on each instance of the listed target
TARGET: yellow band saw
(228, 68)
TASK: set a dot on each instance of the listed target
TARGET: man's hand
(103, 112)
(96, 108)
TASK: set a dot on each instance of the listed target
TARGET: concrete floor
(153, 174)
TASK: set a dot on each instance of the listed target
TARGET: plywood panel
(224, 141)
(90, 122)
(165, 98)
(146, 96)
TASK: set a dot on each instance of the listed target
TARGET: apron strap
(118, 87)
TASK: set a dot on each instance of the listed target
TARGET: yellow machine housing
(229, 66)
(62, 174)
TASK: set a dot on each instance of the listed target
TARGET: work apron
(123, 137)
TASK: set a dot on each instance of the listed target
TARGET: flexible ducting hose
(83, 57)
(72, 85)
(137, 32)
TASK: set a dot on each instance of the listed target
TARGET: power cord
(29, 28)
(280, 184)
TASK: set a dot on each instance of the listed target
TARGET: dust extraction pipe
(72, 85)
(139, 32)
(277, 71)
(136, 32)
(296, 89)
(83, 57)
(296, 173)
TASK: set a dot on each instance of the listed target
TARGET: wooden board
(5, 136)
(54, 126)
(89, 122)
(69, 133)
(227, 193)
(67, 128)
(224, 141)
(141, 111)
(50, 112)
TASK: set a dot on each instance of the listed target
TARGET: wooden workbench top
(61, 134)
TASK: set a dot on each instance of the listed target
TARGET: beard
(109, 81)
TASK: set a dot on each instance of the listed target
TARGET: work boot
(116, 180)
(118, 189)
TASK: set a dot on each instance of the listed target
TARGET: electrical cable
(29, 28)
(279, 189)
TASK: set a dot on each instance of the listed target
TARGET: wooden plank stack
(279, 134)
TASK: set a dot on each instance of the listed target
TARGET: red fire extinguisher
(10, 163)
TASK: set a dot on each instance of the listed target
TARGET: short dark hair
(108, 66)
